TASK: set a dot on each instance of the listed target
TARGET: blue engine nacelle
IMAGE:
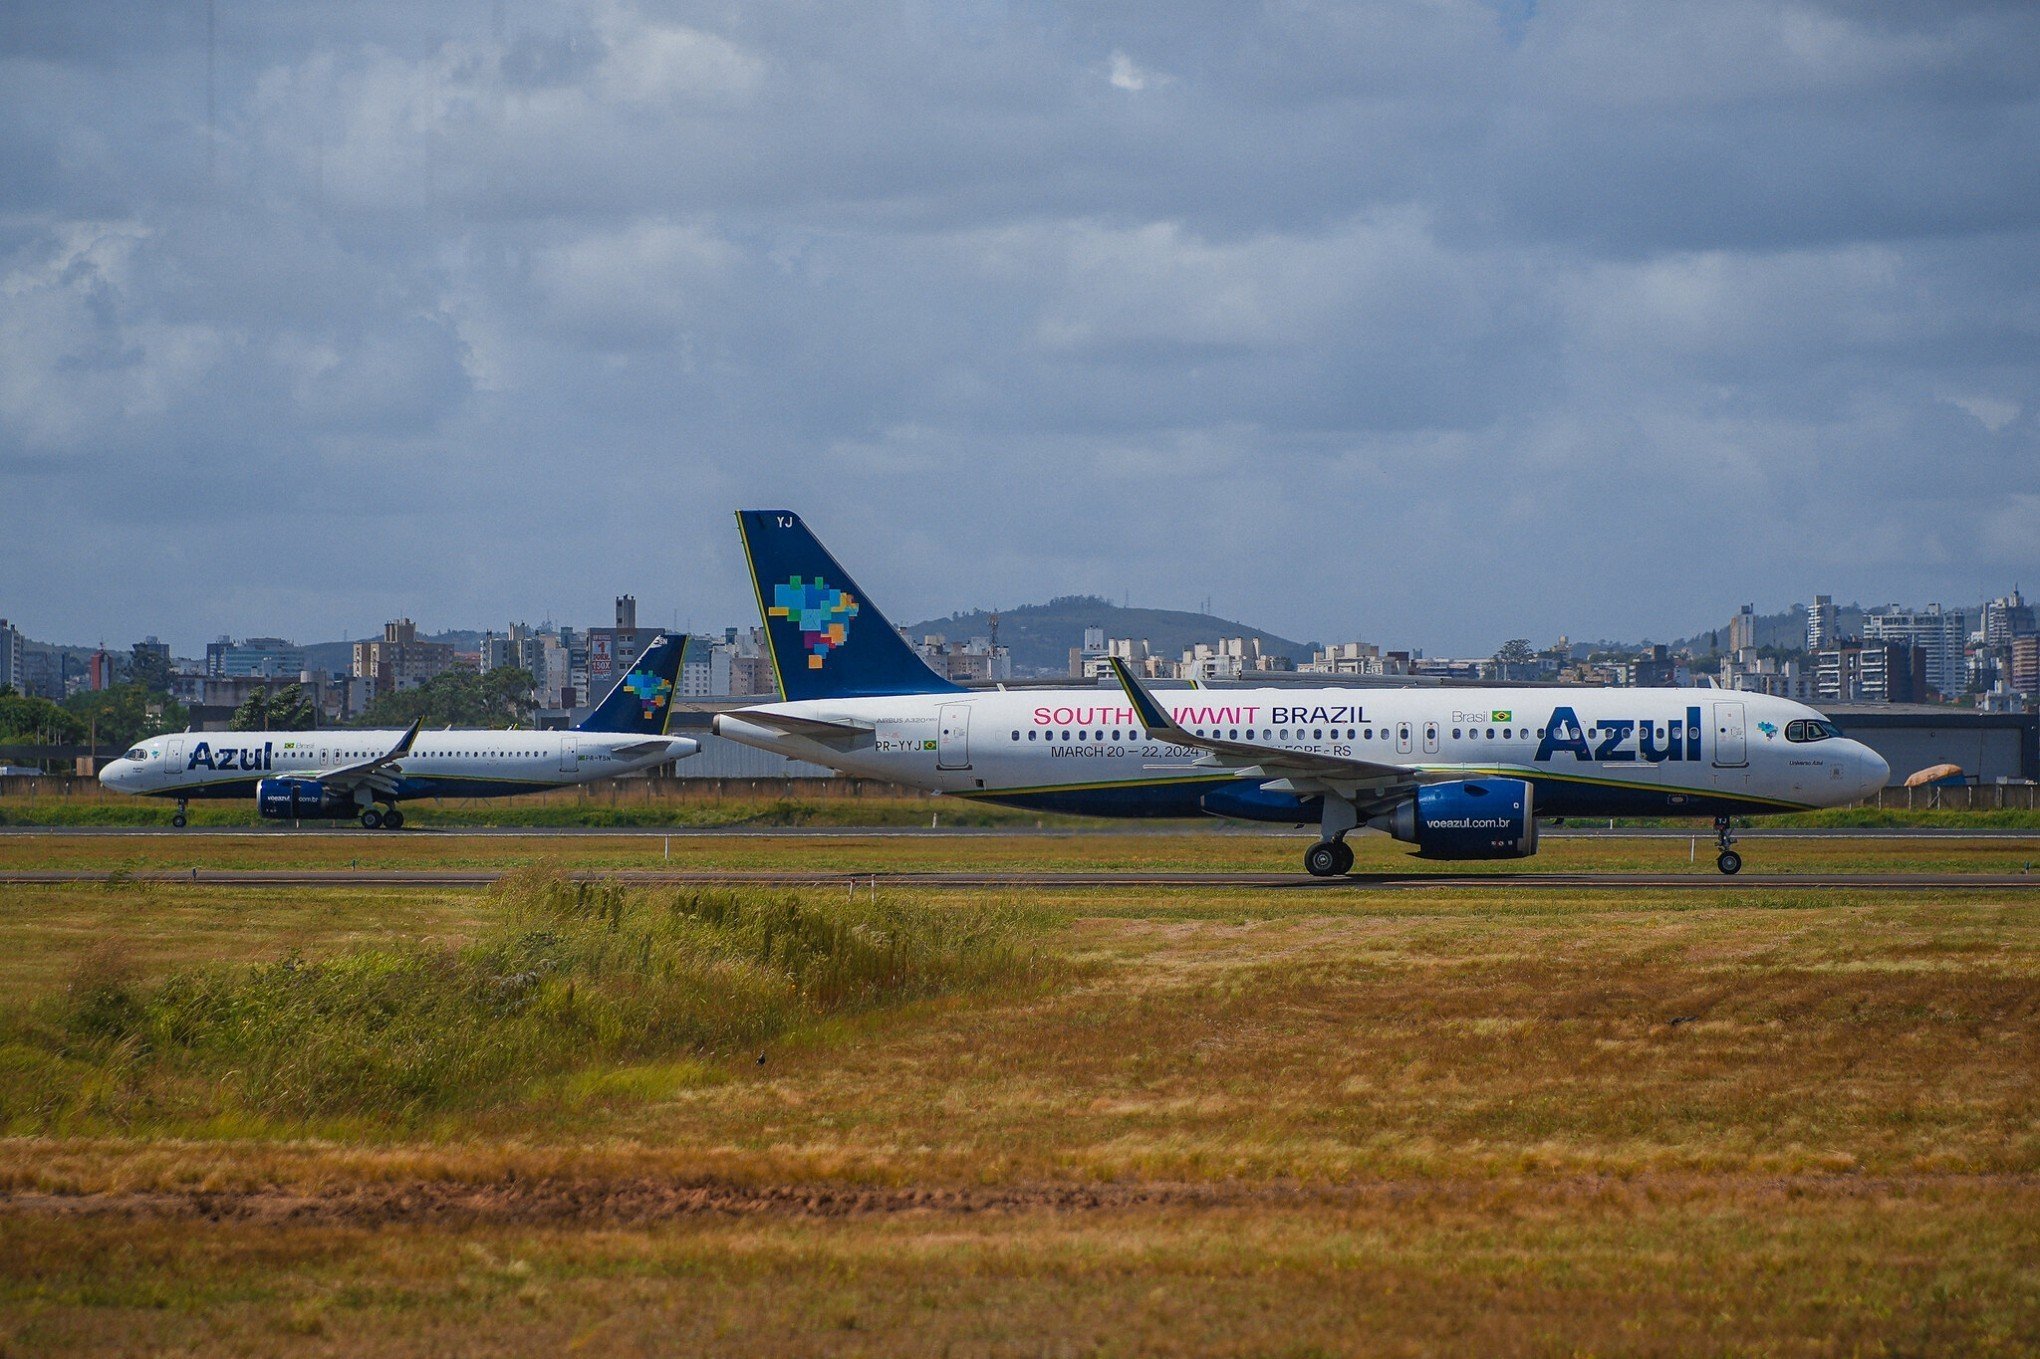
(1471, 819)
(290, 799)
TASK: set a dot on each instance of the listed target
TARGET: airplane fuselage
(455, 763)
(1588, 752)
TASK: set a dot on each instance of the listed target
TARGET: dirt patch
(560, 1201)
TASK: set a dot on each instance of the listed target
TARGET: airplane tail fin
(640, 702)
(826, 638)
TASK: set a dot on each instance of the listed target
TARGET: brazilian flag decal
(1503, 715)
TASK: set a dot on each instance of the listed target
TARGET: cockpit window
(136, 754)
(1810, 729)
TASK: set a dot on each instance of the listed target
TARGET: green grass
(569, 978)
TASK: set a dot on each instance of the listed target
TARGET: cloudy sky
(1428, 323)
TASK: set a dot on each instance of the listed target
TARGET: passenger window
(1016, 733)
(1491, 733)
(1455, 733)
(1031, 735)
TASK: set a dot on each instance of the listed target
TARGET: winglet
(403, 745)
(1152, 715)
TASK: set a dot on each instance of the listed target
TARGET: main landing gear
(1729, 861)
(1328, 859)
(1331, 857)
(180, 820)
(374, 818)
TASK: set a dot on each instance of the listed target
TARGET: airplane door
(952, 737)
(1430, 738)
(1402, 738)
(173, 761)
(570, 751)
(1731, 740)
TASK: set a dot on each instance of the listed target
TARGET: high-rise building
(1943, 635)
(1874, 672)
(1820, 623)
(2025, 666)
(1742, 630)
(2006, 617)
(101, 671)
(706, 668)
(11, 648)
(270, 657)
(610, 651)
(399, 660)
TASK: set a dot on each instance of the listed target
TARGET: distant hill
(1040, 635)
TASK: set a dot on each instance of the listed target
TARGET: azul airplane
(303, 775)
(1459, 773)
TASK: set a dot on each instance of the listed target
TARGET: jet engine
(293, 799)
(1469, 819)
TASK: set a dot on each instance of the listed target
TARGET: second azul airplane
(1459, 773)
(339, 772)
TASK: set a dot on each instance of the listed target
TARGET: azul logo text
(203, 756)
(1616, 739)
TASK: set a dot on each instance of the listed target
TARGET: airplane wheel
(1730, 862)
(1345, 858)
(1327, 859)
(393, 819)
(178, 821)
(371, 819)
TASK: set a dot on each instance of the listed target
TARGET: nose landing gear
(180, 819)
(1728, 861)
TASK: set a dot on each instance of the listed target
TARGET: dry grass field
(1084, 1121)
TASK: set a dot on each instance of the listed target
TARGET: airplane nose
(1876, 770)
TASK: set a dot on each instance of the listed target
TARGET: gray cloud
(1431, 324)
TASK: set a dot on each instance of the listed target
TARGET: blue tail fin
(827, 639)
(640, 702)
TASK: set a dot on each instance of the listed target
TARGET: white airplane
(1459, 773)
(338, 773)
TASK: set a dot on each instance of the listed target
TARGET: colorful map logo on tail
(649, 689)
(821, 612)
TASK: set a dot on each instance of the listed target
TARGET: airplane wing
(1288, 771)
(379, 773)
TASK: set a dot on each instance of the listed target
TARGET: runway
(1617, 882)
(1198, 829)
